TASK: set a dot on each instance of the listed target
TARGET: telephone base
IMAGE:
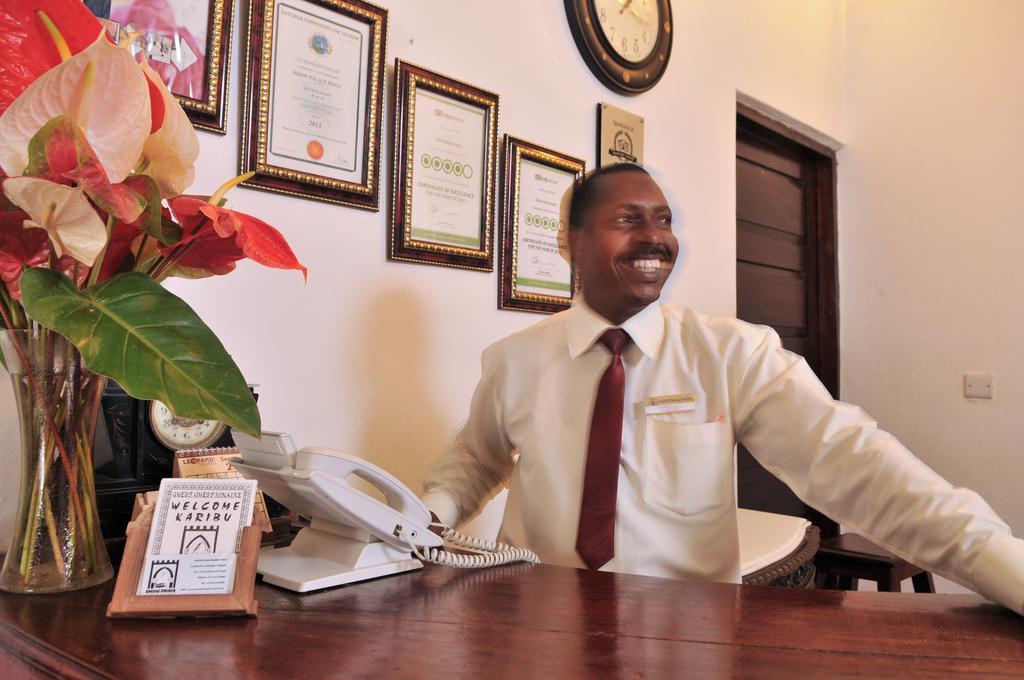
(319, 559)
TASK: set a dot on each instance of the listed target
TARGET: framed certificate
(444, 164)
(314, 84)
(534, 275)
(188, 43)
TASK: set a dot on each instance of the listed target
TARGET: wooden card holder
(127, 604)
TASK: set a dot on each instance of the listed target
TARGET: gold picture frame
(454, 222)
(532, 219)
(195, 72)
(341, 124)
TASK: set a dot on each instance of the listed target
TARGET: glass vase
(56, 543)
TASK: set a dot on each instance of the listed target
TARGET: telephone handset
(351, 536)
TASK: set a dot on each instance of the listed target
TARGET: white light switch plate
(978, 385)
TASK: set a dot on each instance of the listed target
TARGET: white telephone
(351, 536)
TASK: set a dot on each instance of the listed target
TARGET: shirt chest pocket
(687, 467)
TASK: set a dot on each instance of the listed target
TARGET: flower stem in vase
(57, 545)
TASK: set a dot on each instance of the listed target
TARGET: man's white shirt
(676, 503)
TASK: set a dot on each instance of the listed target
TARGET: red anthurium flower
(19, 247)
(26, 48)
(116, 199)
(259, 241)
(186, 212)
(73, 269)
(53, 151)
(249, 236)
(207, 250)
(210, 254)
(124, 237)
(119, 247)
(60, 153)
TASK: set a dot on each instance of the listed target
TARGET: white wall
(381, 358)
(931, 233)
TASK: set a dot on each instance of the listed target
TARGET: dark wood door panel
(775, 297)
(769, 199)
(763, 152)
(785, 271)
(799, 344)
(763, 245)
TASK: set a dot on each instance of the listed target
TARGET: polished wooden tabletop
(524, 622)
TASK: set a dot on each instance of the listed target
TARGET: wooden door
(785, 269)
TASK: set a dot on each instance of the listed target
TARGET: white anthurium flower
(73, 225)
(116, 124)
(170, 153)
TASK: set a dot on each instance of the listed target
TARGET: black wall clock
(626, 43)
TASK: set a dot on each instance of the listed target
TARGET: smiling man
(613, 425)
(624, 258)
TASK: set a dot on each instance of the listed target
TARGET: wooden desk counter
(522, 622)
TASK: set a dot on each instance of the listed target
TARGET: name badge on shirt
(670, 403)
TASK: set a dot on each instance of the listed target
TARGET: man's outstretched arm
(836, 459)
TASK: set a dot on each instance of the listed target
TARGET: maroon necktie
(595, 538)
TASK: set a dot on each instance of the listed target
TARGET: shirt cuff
(442, 505)
(999, 572)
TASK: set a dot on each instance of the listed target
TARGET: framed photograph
(188, 43)
(535, 277)
(314, 83)
(443, 171)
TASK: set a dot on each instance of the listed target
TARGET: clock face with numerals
(629, 26)
(182, 433)
(626, 43)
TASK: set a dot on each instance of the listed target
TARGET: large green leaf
(154, 345)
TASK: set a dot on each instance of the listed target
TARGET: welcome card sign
(195, 536)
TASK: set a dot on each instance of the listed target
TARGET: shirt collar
(584, 326)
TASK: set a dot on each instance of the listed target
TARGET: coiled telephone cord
(487, 553)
